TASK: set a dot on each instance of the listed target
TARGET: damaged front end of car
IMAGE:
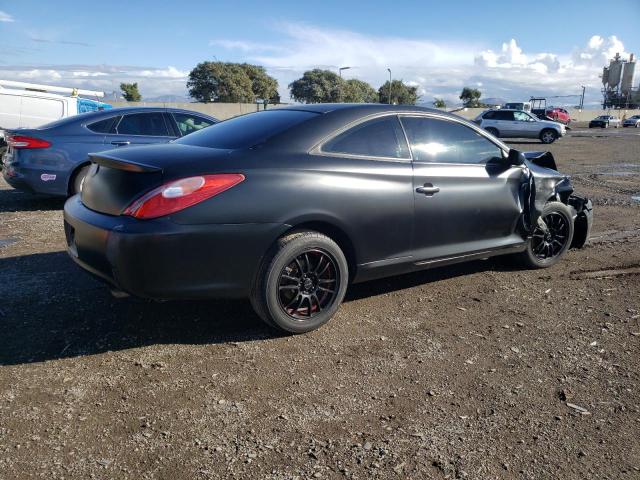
(542, 184)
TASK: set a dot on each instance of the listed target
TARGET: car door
(368, 166)
(140, 129)
(526, 125)
(467, 198)
(505, 124)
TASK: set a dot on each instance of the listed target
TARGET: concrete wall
(576, 115)
(221, 111)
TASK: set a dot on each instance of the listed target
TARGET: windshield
(247, 130)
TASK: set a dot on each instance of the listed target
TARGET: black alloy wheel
(301, 282)
(308, 284)
(550, 239)
(550, 243)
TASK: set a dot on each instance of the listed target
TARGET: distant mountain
(493, 101)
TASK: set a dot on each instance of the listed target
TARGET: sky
(507, 49)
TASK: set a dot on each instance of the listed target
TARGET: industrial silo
(615, 71)
(627, 76)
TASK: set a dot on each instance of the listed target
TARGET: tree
(401, 93)
(220, 82)
(439, 103)
(471, 97)
(130, 92)
(263, 86)
(357, 91)
(316, 86)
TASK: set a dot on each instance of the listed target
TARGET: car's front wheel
(301, 282)
(548, 136)
(551, 238)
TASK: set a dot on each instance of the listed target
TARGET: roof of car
(365, 107)
(122, 110)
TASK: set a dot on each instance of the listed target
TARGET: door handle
(120, 143)
(428, 189)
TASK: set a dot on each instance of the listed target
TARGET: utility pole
(389, 70)
(340, 73)
(582, 98)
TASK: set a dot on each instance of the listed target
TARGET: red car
(558, 115)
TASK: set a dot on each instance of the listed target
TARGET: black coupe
(288, 206)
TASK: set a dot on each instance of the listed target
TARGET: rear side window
(247, 130)
(508, 116)
(150, 124)
(443, 141)
(103, 126)
(190, 123)
(381, 137)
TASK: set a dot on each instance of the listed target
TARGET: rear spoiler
(127, 165)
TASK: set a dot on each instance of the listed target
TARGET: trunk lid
(118, 177)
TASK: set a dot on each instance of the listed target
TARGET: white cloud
(598, 51)
(152, 81)
(437, 69)
(5, 17)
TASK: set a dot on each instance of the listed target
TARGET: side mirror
(515, 157)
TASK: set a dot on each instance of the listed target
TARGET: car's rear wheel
(548, 136)
(551, 238)
(493, 131)
(301, 282)
(78, 180)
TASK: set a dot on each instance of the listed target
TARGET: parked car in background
(28, 105)
(558, 115)
(632, 122)
(505, 123)
(54, 158)
(525, 106)
(605, 121)
(288, 206)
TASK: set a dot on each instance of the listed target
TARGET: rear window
(246, 130)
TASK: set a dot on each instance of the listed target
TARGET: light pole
(340, 73)
(582, 98)
(389, 70)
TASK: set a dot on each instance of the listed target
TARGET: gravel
(474, 371)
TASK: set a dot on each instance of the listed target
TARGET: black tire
(539, 256)
(548, 135)
(493, 131)
(284, 280)
(77, 180)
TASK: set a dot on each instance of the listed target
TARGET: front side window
(381, 137)
(148, 124)
(190, 123)
(522, 117)
(490, 116)
(443, 141)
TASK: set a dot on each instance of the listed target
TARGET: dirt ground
(477, 371)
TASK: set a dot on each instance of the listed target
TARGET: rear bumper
(160, 259)
(33, 178)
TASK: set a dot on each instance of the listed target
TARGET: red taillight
(180, 194)
(21, 141)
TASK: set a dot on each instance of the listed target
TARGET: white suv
(508, 123)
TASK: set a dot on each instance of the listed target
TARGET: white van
(27, 105)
